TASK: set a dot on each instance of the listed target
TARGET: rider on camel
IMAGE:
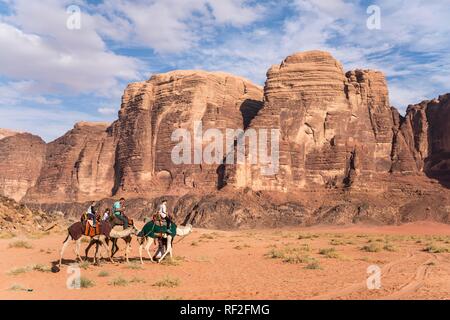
(91, 214)
(118, 209)
(164, 215)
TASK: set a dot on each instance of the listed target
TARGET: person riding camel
(118, 209)
(91, 214)
(106, 214)
(164, 215)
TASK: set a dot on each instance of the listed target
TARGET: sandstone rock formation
(78, 166)
(345, 155)
(21, 159)
(152, 110)
(334, 126)
(426, 130)
(4, 133)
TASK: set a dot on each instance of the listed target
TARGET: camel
(149, 238)
(115, 235)
(76, 233)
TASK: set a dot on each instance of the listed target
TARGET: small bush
(134, 266)
(432, 248)
(313, 265)
(17, 287)
(137, 280)
(337, 242)
(103, 273)
(17, 271)
(329, 252)
(297, 259)
(86, 283)
(41, 268)
(372, 247)
(118, 282)
(167, 282)
(240, 247)
(307, 236)
(276, 254)
(20, 244)
(7, 235)
(175, 261)
(389, 247)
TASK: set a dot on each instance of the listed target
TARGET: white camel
(147, 241)
(116, 233)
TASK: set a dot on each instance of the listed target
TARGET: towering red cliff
(78, 166)
(152, 110)
(21, 159)
(337, 132)
(334, 126)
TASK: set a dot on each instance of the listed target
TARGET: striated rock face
(79, 165)
(334, 126)
(152, 110)
(4, 133)
(338, 136)
(21, 158)
(426, 131)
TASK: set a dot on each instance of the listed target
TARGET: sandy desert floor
(290, 263)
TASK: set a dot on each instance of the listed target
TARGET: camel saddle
(90, 231)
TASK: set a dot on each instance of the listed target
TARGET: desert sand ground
(290, 263)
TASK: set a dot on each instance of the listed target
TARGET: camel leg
(105, 246)
(77, 249)
(64, 247)
(128, 247)
(169, 248)
(147, 248)
(86, 251)
(96, 252)
(141, 244)
(114, 248)
(158, 249)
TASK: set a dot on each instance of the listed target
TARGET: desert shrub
(432, 248)
(276, 254)
(103, 273)
(134, 266)
(167, 282)
(118, 282)
(329, 252)
(389, 247)
(86, 283)
(41, 268)
(297, 259)
(371, 247)
(20, 244)
(17, 271)
(137, 280)
(313, 265)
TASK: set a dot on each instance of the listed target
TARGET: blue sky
(52, 77)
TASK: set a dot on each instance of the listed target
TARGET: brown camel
(76, 233)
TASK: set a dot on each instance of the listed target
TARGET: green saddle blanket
(154, 231)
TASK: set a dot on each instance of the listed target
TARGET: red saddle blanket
(90, 231)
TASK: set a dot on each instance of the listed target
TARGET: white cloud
(14, 93)
(107, 111)
(56, 58)
(173, 26)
